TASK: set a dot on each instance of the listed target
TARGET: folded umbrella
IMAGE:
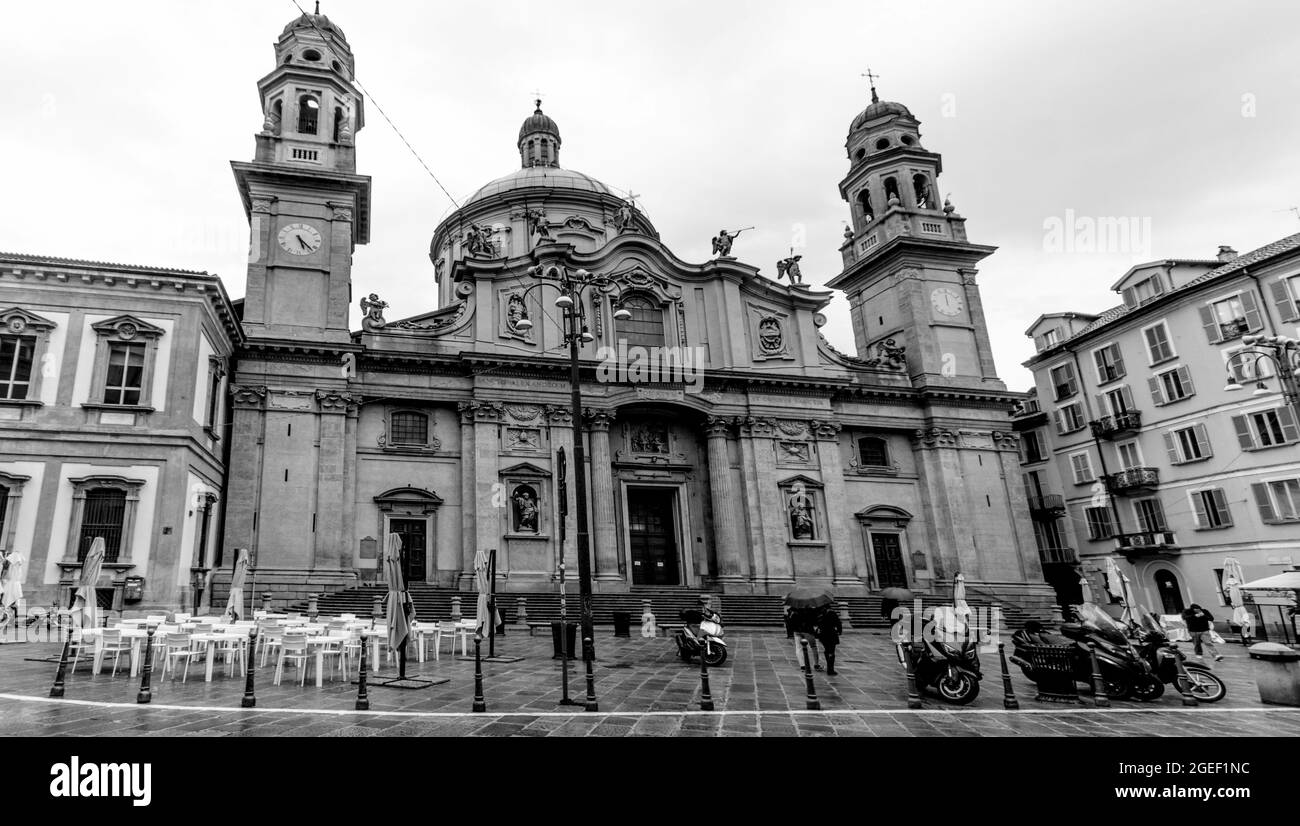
(90, 568)
(235, 602)
(959, 596)
(399, 623)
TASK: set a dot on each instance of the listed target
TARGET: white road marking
(683, 713)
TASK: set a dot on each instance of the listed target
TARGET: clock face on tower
(299, 239)
(946, 301)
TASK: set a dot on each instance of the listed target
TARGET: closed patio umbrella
(11, 584)
(90, 569)
(399, 621)
(235, 602)
(1233, 578)
(959, 597)
(482, 580)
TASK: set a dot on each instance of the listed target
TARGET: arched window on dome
(864, 203)
(924, 194)
(308, 114)
(338, 122)
(532, 152)
(891, 190)
(542, 155)
(646, 327)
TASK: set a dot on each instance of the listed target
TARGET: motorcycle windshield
(1095, 619)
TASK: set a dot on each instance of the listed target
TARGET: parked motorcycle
(701, 635)
(945, 660)
(1163, 657)
(1124, 672)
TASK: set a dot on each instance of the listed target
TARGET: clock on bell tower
(307, 208)
(909, 270)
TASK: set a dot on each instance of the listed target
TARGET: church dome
(879, 109)
(312, 22)
(539, 122)
(549, 177)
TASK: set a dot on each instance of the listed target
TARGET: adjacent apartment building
(1135, 445)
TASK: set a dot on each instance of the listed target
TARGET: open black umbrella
(805, 597)
(891, 598)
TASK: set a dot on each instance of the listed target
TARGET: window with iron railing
(103, 515)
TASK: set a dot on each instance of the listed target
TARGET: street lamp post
(1283, 352)
(572, 286)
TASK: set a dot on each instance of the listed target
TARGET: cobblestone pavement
(641, 686)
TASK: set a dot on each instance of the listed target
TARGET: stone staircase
(738, 610)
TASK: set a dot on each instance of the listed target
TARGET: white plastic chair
(448, 629)
(293, 647)
(111, 642)
(179, 647)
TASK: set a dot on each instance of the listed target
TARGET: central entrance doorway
(412, 533)
(888, 552)
(652, 535)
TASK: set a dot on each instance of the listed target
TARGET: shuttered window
(1285, 293)
(1064, 382)
(1171, 386)
(1081, 464)
(1267, 428)
(1231, 318)
(1188, 444)
(1211, 508)
(1158, 347)
(1110, 363)
(1101, 525)
(1277, 501)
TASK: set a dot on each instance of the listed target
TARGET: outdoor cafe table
(135, 635)
(211, 640)
(319, 642)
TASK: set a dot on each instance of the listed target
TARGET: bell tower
(909, 270)
(307, 208)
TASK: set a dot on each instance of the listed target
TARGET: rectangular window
(1101, 524)
(1129, 455)
(1143, 291)
(1081, 464)
(1064, 382)
(1048, 339)
(16, 356)
(1247, 368)
(1069, 418)
(1285, 294)
(105, 510)
(1150, 516)
(1188, 444)
(1110, 363)
(1171, 386)
(1211, 509)
(1031, 448)
(410, 429)
(1267, 428)
(1230, 318)
(1278, 501)
(1117, 401)
(1158, 347)
(125, 377)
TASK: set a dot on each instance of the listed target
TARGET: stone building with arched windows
(728, 446)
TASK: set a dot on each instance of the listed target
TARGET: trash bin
(622, 623)
(1277, 673)
(570, 639)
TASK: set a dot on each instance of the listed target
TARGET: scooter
(1124, 672)
(1163, 657)
(701, 635)
(945, 661)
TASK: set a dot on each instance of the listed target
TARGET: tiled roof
(1287, 244)
(38, 260)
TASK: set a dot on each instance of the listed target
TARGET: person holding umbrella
(804, 604)
(828, 629)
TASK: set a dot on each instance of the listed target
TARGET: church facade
(729, 446)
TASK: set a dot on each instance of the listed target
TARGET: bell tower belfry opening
(307, 208)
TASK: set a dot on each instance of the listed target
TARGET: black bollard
(1099, 697)
(913, 696)
(479, 704)
(56, 690)
(1008, 696)
(813, 703)
(588, 654)
(250, 660)
(146, 694)
(363, 699)
(706, 697)
(1185, 685)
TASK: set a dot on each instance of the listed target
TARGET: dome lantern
(539, 140)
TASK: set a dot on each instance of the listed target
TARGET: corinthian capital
(719, 427)
(825, 431)
(598, 420)
(248, 396)
(481, 411)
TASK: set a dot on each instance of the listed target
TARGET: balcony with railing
(1133, 480)
(1146, 542)
(1047, 506)
(1121, 424)
(1234, 329)
(1058, 556)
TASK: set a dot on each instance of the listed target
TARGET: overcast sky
(120, 119)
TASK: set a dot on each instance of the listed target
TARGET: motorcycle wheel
(960, 690)
(1206, 685)
(1148, 689)
(716, 657)
(1117, 688)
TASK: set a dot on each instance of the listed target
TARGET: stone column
(726, 524)
(827, 435)
(561, 424)
(449, 570)
(481, 484)
(248, 423)
(330, 542)
(939, 469)
(601, 480)
(769, 548)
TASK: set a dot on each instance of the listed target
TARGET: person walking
(1199, 625)
(804, 624)
(828, 630)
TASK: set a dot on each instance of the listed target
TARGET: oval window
(311, 55)
(882, 144)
